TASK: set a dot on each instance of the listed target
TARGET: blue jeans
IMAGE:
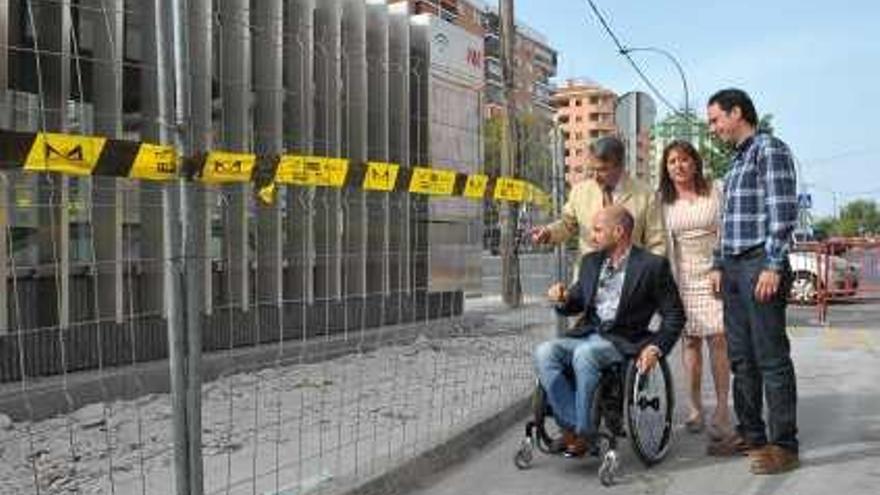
(760, 355)
(586, 357)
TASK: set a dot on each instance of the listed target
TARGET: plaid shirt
(760, 201)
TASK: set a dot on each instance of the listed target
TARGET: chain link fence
(199, 336)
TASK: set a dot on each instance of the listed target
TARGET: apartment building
(584, 111)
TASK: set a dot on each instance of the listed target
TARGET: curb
(427, 466)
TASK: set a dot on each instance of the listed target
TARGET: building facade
(534, 64)
(584, 111)
(462, 13)
(534, 59)
(327, 78)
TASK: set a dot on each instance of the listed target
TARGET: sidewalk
(839, 418)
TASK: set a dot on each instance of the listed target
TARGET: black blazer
(647, 288)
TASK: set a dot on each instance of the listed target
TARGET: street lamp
(687, 114)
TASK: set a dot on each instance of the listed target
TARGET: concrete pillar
(235, 100)
(268, 141)
(399, 273)
(107, 20)
(157, 95)
(328, 142)
(299, 132)
(354, 144)
(52, 26)
(5, 122)
(378, 203)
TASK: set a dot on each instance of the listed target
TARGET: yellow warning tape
(223, 167)
(79, 155)
(433, 181)
(64, 154)
(311, 171)
(380, 176)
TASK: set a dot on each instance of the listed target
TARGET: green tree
(857, 218)
(533, 154)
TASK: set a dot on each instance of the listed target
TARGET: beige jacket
(585, 199)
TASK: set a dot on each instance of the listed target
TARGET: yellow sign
(64, 153)
(312, 171)
(222, 167)
(154, 162)
(509, 189)
(475, 187)
(380, 176)
(432, 181)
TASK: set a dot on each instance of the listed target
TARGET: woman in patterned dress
(691, 208)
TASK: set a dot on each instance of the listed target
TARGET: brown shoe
(578, 447)
(731, 445)
(561, 443)
(774, 460)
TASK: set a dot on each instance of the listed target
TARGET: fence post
(5, 253)
(558, 192)
(822, 259)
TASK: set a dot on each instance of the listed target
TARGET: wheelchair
(626, 404)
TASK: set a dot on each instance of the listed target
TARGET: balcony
(492, 45)
(544, 89)
(545, 62)
(494, 70)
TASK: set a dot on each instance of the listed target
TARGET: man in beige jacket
(610, 185)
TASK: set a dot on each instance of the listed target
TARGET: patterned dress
(692, 226)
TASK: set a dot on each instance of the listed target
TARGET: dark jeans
(759, 352)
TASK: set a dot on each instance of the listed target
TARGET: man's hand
(715, 280)
(767, 286)
(540, 235)
(648, 358)
(556, 293)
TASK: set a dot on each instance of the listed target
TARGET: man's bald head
(617, 215)
(612, 228)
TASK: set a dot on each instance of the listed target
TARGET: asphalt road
(839, 418)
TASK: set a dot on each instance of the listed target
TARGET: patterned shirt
(760, 201)
(609, 289)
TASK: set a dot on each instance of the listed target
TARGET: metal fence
(300, 396)
(197, 336)
(835, 271)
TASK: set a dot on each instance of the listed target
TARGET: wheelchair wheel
(648, 407)
(610, 466)
(523, 457)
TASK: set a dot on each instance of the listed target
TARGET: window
(579, 152)
(594, 133)
(594, 117)
(578, 118)
(594, 100)
(567, 152)
(579, 135)
(577, 102)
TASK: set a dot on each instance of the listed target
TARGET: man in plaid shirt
(753, 276)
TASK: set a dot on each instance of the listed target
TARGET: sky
(814, 65)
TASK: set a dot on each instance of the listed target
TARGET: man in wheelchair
(619, 289)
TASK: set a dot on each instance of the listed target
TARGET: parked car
(841, 278)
